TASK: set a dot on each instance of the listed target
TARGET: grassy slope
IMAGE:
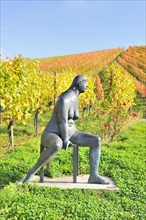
(123, 160)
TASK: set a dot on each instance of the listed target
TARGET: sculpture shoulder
(63, 102)
(65, 98)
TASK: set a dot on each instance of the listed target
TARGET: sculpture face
(83, 85)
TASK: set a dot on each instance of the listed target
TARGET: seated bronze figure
(61, 132)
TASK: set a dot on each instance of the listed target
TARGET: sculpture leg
(94, 157)
(53, 144)
(84, 139)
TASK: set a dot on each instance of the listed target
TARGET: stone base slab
(66, 182)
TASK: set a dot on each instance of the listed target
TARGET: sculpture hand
(66, 144)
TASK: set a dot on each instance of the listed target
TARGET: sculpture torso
(67, 105)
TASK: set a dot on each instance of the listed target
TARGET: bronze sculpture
(61, 132)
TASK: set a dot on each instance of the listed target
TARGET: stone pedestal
(65, 182)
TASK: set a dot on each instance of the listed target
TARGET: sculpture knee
(97, 141)
(58, 145)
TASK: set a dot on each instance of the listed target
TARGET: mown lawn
(123, 160)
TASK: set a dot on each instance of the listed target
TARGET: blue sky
(51, 28)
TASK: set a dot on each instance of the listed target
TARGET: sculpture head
(80, 83)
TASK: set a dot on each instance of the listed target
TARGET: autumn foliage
(23, 91)
(88, 63)
(113, 75)
(115, 111)
(133, 60)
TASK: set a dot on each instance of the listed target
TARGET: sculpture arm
(62, 117)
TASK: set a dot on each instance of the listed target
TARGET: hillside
(81, 63)
(133, 61)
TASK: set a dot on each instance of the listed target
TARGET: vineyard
(133, 60)
(112, 107)
(115, 76)
(88, 63)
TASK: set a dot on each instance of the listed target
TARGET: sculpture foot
(28, 176)
(98, 179)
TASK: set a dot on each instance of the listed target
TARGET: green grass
(123, 160)
(22, 133)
